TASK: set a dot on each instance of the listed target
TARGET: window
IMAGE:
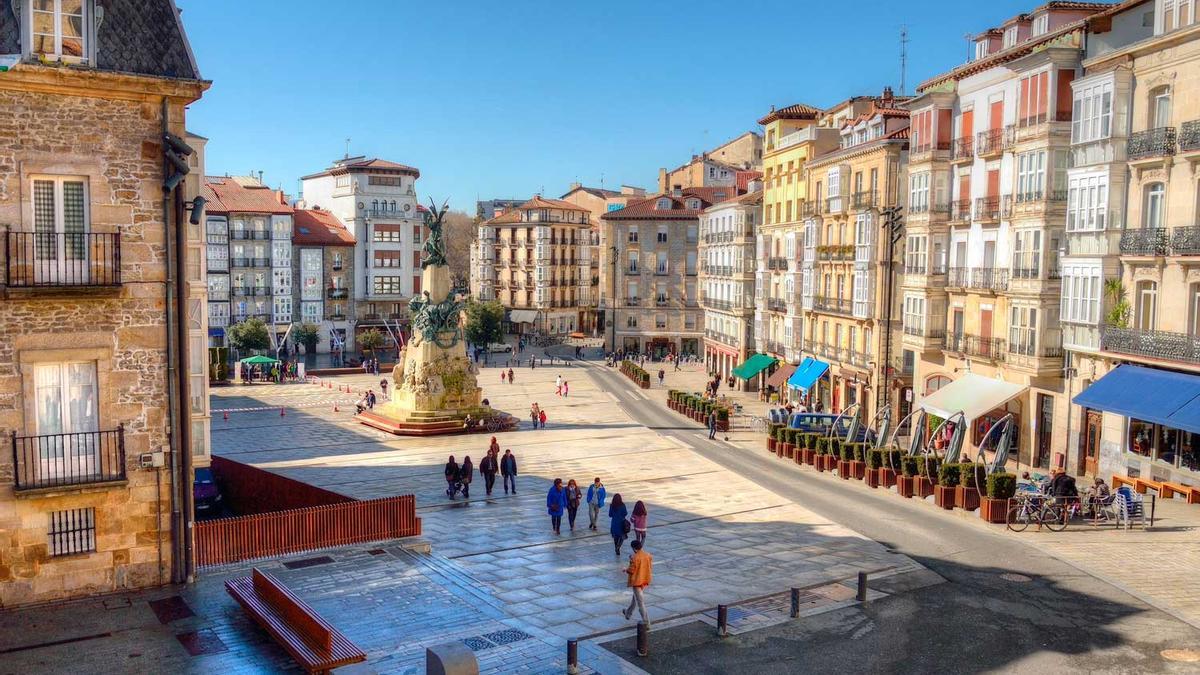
(310, 312)
(1147, 305)
(691, 263)
(914, 315)
(283, 309)
(1027, 254)
(66, 404)
(59, 29)
(632, 292)
(631, 321)
(981, 49)
(662, 234)
(1010, 36)
(1041, 24)
(1160, 107)
(393, 181)
(633, 262)
(660, 293)
(864, 233)
(633, 234)
(915, 254)
(281, 281)
(387, 286)
(1022, 330)
(663, 204)
(1152, 216)
(1175, 14)
(1034, 101)
(918, 192)
(1031, 175)
(861, 292)
(60, 224)
(660, 263)
(1087, 203)
(72, 531)
(1091, 113)
(692, 234)
(1194, 309)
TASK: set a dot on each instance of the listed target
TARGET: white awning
(973, 395)
(522, 315)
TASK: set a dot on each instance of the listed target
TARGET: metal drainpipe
(172, 400)
(882, 396)
(184, 373)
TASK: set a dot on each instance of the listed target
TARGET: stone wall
(114, 144)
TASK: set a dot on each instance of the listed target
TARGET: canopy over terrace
(753, 366)
(972, 395)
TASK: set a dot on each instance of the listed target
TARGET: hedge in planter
(943, 493)
(906, 482)
(1000, 488)
(966, 496)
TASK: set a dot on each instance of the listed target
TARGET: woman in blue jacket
(556, 501)
(617, 523)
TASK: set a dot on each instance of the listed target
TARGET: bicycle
(1041, 509)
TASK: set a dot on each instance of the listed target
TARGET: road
(1044, 614)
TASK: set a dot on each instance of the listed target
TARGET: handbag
(625, 526)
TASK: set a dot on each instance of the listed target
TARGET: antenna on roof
(903, 56)
(601, 179)
(347, 155)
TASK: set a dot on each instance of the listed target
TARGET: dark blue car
(205, 494)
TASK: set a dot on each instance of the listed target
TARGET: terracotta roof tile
(741, 179)
(797, 111)
(644, 209)
(234, 197)
(364, 164)
(513, 215)
(315, 227)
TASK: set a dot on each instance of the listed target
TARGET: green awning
(259, 360)
(753, 366)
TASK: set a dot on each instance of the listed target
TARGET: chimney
(888, 99)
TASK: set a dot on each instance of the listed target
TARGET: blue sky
(507, 99)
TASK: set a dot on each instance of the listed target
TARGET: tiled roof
(233, 197)
(599, 192)
(355, 165)
(513, 215)
(741, 179)
(798, 111)
(315, 227)
(644, 209)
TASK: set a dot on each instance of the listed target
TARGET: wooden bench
(1191, 493)
(1118, 481)
(1142, 484)
(316, 645)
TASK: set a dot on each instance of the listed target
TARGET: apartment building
(844, 263)
(727, 269)
(529, 259)
(1131, 285)
(252, 276)
(96, 316)
(594, 300)
(981, 285)
(655, 249)
(376, 200)
(323, 269)
(718, 167)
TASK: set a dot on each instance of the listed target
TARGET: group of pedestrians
(506, 376)
(370, 366)
(459, 476)
(561, 387)
(537, 416)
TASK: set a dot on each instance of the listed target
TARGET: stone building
(94, 497)
(727, 268)
(1131, 283)
(323, 268)
(654, 244)
(530, 259)
(718, 167)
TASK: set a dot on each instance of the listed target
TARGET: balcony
(837, 204)
(924, 338)
(1034, 358)
(221, 295)
(1151, 144)
(239, 317)
(1035, 202)
(1147, 241)
(988, 348)
(633, 302)
(980, 278)
(963, 150)
(832, 305)
(63, 260)
(810, 209)
(960, 211)
(867, 199)
(1189, 136)
(387, 214)
(993, 142)
(336, 317)
(723, 338)
(722, 305)
(987, 209)
(929, 152)
(776, 347)
(1185, 241)
(776, 305)
(242, 235)
(835, 252)
(68, 460)
(778, 263)
(1099, 243)
(926, 208)
(1156, 344)
(337, 293)
(855, 358)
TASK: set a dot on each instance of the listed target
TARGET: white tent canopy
(973, 395)
(522, 315)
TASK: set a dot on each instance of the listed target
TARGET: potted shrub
(722, 419)
(821, 451)
(1000, 489)
(773, 436)
(854, 454)
(844, 455)
(943, 492)
(906, 482)
(808, 443)
(789, 444)
(966, 494)
(874, 464)
(889, 463)
(927, 471)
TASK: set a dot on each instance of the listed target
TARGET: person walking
(712, 424)
(558, 385)
(494, 446)
(503, 377)
(566, 389)
(618, 526)
(533, 415)
(451, 473)
(488, 468)
(574, 497)
(556, 502)
(595, 500)
(542, 418)
(638, 572)
(383, 388)
(465, 473)
(661, 374)
(508, 470)
(638, 520)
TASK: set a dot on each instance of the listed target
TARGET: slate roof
(317, 227)
(227, 195)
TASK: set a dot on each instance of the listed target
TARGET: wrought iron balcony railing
(776, 305)
(1041, 195)
(960, 210)
(69, 459)
(1145, 241)
(63, 259)
(338, 293)
(974, 345)
(1157, 344)
(964, 148)
(925, 332)
(1189, 136)
(984, 278)
(832, 305)
(987, 208)
(991, 142)
(1158, 142)
(865, 199)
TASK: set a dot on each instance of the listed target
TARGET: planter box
(830, 462)
(858, 469)
(819, 462)
(993, 510)
(943, 496)
(872, 478)
(808, 456)
(887, 477)
(843, 469)
(770, 444)
(965, 498)
(723, 425)
(789, 451)
(904, 486)
(922, 487)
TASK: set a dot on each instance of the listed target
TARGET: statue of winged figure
(435, 250)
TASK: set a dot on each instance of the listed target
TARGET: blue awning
(1161, 396)
(807, 374)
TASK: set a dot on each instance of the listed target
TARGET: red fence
(270, 534)
(249, 490)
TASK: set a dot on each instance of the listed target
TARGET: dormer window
(664, 204)
(1010, 37)
(58, 30)
(1041, 24)
(693, 204)
(981, 48)
(1174, 14)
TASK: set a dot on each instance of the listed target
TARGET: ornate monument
(436, 391)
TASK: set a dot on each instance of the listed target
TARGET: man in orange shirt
(638, 571)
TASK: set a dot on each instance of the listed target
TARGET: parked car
(499, 347)
(821, 423)
(206, 494)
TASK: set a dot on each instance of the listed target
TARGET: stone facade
(727, 267)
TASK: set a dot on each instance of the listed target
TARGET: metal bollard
(572, 657)
(795, 602)
(722, 621)
(643, 639)
(862, 586)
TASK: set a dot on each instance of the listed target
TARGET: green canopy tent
(259, 360)
(753, 366)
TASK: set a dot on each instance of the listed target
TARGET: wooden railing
(271, 534)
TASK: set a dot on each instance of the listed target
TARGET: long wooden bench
(1169, 490)
(1143, 484)
(316, 645)
(1119, 481)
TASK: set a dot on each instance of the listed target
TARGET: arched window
(1147, 305)
(375, 205)
(393, 205)
(1160, 107)
(935, 382)
(1155, 206)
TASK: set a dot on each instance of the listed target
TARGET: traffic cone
(226, 415)
(281, 413)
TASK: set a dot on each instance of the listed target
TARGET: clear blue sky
(504, 99)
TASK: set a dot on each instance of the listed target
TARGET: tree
(484, 319)
(1118, 314)
(370, 340)
(458, 233)
(249, 335)
(309, 335)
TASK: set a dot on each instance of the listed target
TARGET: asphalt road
(1051, 618)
